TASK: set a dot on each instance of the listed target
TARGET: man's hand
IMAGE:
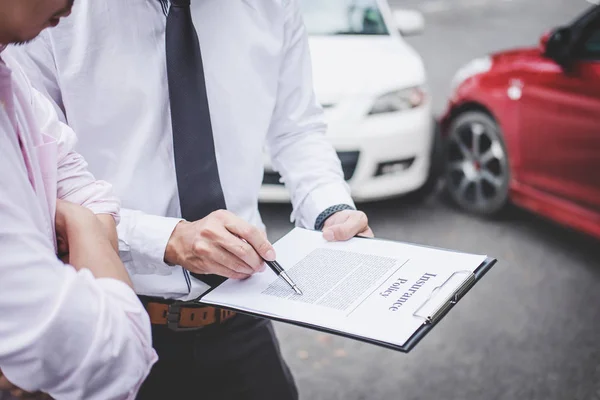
(6, 385)
(346, 224)
(88, 241)
(68, 213)
(221, 244)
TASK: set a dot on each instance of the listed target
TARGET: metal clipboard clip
(445, 296)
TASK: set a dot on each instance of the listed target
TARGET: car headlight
(470, 69)
(399, 100)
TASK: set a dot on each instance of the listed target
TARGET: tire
(476, 168)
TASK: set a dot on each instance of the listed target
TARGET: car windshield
(343, 17)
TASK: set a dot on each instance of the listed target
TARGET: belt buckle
(173, 315)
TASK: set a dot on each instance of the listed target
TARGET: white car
(372, 85)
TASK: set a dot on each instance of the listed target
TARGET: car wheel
(477, 173)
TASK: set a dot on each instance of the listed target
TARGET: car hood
(350, 65)
(516, 55)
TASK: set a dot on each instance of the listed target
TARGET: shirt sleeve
(75, 183)
(298, 147)
(62, 331)
(143, 240)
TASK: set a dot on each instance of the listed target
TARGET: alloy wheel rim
(477, 166)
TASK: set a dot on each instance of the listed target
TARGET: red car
(524, 126)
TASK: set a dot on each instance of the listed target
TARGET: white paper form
(364, 287)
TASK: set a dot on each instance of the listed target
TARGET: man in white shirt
(148, 71)
(73, 331)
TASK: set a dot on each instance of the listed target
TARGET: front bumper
(382, 156)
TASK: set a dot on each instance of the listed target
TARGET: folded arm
(64, 331)
(142, 238)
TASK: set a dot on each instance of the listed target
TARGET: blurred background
(446, 144)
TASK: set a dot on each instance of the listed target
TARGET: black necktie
(198, 181)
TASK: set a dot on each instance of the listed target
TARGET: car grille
(349, 160)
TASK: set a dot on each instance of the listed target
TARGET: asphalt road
(531, 328)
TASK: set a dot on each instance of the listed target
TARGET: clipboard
(439, 302)
(432, 311)
(441, 305)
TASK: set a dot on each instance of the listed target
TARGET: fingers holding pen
(221, 244)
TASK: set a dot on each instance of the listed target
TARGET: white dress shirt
(61, 331)
(105, 68)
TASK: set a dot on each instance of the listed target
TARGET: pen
(278, 269)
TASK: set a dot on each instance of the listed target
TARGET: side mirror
(556, 45)
(409, 22)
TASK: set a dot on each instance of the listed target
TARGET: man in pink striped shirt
(72, 329)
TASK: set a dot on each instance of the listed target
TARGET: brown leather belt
(181, 316)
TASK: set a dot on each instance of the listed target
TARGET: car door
(560, 124)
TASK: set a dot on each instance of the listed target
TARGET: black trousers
(239, 359)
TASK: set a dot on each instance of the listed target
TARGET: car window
(589, 46)
(343, 17)
(592, 45)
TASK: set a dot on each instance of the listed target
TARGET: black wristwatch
(328, 213)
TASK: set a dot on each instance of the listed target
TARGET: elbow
(126, 340)
(99, 343)
(115, 366)
(294, 133)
